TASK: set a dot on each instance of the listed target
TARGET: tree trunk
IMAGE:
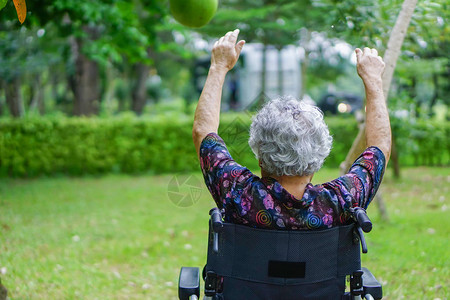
(1, 98)
(358, 146)
(109, 87)
(395, 42)
(412, 93)
(390, 58)
(395, 159)
(37, 97)
(54, 86)
(86, 82)
(14, 98)
(435, 94)
(122, 93)
(3, 291)
(139, 92)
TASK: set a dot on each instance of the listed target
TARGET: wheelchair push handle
(216, 219)
(216, 226)
(362, 219)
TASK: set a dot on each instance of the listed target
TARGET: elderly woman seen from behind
(291, 141)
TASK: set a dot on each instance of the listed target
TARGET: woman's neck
(295, 185)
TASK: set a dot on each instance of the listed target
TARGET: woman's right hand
(226, 51)
(369, 64)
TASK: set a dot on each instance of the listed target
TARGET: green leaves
(3, 3)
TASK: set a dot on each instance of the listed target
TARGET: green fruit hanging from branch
(193, 13)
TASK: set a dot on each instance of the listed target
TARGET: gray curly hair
(290, 137)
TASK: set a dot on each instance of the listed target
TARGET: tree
(128, 36)
(426, 59)
(24, 53)
(390, 58)
(149, 15)
(100, 33)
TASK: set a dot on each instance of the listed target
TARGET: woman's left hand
(226, 51)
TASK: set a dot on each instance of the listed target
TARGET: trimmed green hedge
(422, 142)
(77, 146)
(91, 146)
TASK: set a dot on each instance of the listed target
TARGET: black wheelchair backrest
(286, 257)
(246, 263)
(307, 261)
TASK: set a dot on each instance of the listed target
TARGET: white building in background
(249, 73)
(243, 84)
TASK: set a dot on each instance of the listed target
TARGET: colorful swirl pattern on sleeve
(264, 203)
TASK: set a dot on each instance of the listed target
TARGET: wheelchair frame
(363, 285)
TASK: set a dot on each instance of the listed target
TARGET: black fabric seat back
(269, 264)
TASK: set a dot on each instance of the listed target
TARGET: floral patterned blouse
(264, 203)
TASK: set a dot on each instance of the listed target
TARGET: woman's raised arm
(370, 67)
(225, 54)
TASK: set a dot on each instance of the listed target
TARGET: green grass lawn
(121, 237)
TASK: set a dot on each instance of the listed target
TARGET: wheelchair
(246, 263)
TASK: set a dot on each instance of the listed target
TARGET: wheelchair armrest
(371, 285)
(189, 283)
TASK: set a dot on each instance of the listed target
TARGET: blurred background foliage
(130, 68)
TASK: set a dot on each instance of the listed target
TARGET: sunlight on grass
(121, 237)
